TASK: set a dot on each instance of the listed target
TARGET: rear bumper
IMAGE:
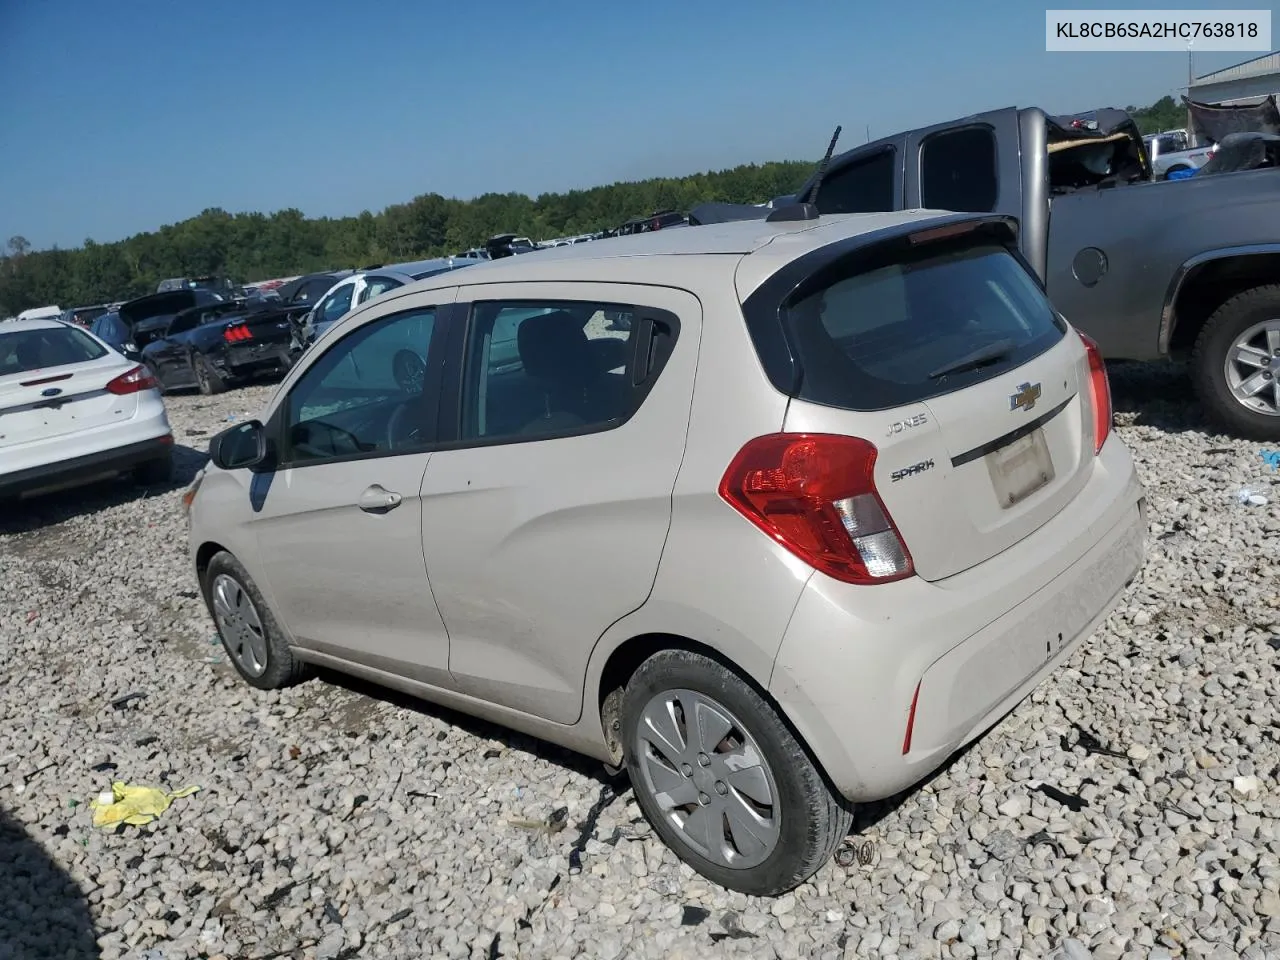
(974, 645)
(87, 468)
(255, 358)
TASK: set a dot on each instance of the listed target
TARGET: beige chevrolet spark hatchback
(776, 514)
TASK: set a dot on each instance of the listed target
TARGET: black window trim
(764, 309)
(449, 431)
(995, 159)
(437, 350)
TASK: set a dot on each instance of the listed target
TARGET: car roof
(37, 323)
(414, 266)
(756, 249)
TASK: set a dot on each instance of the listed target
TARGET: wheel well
(1209, 285)
(206, 553)
(626, 660)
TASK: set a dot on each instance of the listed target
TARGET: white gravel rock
(339, 820)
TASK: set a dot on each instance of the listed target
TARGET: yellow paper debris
(134, 804)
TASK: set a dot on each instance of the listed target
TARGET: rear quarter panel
(1146, 232)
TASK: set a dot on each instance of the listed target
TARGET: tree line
(255, 246)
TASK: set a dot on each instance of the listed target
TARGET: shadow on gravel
(46, 510)
(1159, 395)
(42, 912)
(549, 752)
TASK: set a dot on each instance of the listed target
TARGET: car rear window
(870, 336)
(23, 350)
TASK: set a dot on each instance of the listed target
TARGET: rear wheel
(252, 638)
(1176, 168)
(207, 379)
(1236, 364)
(723, 780)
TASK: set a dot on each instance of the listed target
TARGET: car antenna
(822, 167)
(806, 207)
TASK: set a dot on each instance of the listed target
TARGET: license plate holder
(1020, 468)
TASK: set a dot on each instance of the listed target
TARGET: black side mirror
(239, 447)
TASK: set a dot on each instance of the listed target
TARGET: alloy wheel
(1252, 368)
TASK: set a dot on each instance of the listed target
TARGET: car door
(547, 504)
(338, 522)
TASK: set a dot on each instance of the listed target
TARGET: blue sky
(119, 117)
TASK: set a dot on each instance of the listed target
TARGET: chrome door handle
(376, 499)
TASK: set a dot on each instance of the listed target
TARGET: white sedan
(74, 411)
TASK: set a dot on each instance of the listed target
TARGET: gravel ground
(338, 820)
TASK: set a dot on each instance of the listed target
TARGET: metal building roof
(1257, 67)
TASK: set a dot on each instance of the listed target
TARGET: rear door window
(337, 304)
(958, 171)
(375, 286)
(917, 327)
(539, 369)
(863, 186)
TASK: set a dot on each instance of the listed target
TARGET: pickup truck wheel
(207, 378)
(1236, 364)
(1176, 168)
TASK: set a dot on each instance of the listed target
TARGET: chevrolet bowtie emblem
(1026, 397)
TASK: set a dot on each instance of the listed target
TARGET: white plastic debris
(1249, 498)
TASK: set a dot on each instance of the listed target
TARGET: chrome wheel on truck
(1252, 367)
(1236, 364)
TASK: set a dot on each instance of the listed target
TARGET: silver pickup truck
(1169, 153)
(1150, 269)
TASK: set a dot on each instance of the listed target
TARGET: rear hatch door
(949, 358)
(55, 384)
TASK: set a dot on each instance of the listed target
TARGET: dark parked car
(147, 317)
(308, 289)
(83, 316)
(113, 331)
(1243, 151)
(213, 347)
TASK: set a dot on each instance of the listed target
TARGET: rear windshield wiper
(991, 353)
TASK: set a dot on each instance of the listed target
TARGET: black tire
(283, 669)
(1176, 168)
(1208, 360)
(814, 818)
(207, 378)
(155, 473)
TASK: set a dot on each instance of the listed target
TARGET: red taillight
(139, 378)
(815, 494)
(1100, 389)
(236, 334)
